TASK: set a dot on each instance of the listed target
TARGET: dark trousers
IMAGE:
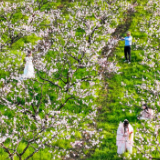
(127, 51)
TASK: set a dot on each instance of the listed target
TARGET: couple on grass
(125, 131)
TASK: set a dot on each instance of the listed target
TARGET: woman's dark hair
(28, 53)
(126, 122)
(145, 106)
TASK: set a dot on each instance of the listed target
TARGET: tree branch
(50, 82)
(90, 36)
(62, 105)
(7, 150)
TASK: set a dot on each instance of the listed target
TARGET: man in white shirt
(127, 47)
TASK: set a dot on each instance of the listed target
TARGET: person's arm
(122, 39)
(131, 135)
(119, 131)
(147, 111)
(128, 38)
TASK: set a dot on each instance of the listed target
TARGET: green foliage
(80, 32)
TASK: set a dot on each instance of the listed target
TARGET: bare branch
(49, 81)
(62, 105)
(7, 150)
(32, 154)
(90, 36)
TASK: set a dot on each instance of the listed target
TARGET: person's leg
(121, 148)
(129, 53)
(125, 52)
(129, 148)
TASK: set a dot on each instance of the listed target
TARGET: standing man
(127, 47)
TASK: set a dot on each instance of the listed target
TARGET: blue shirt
(128, 41)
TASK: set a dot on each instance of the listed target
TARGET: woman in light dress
(29, 69)
(124, 137)
(147, 113)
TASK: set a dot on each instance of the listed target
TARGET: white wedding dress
(29, 69)
(124, 143)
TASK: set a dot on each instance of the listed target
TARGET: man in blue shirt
(127, 47)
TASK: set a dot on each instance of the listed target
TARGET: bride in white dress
(29, 69)
(124, 137)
